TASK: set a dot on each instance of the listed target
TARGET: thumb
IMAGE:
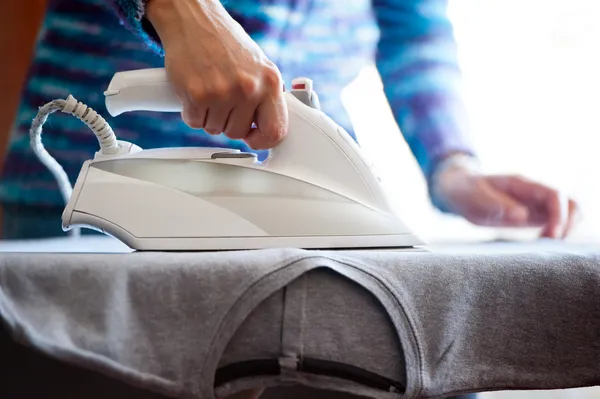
(491, 207)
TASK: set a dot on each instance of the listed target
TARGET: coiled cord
(104, 133)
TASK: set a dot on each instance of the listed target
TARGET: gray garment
(439, 323)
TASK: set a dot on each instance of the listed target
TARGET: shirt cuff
(463, 160)
(132, 14)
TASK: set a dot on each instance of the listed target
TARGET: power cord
(104, 133)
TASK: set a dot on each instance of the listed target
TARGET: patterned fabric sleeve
(132, 15)
(417, 61)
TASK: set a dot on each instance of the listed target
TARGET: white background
(532, 80)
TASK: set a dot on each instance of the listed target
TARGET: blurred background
(531, 82)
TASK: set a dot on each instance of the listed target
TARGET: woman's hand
(505, 201)
(225, 81)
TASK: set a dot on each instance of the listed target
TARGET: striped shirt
(84, 42)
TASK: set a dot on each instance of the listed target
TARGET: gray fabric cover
(455, 320)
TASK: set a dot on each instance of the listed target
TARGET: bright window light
(532, 84)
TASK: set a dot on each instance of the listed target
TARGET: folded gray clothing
(378, 324)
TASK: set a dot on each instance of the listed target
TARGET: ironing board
(466, 318)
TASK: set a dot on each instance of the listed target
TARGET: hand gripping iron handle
(150, 90)
(315, 148)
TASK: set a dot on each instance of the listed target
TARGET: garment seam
(409, 320)
(285, 265)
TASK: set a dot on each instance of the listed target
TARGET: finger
(549, 206)
(557, 210)
(573, 216)
(216, 119)
(271, 122)
(240, 122)
(213, 100)
(194, 117)
(490, 207)
(194, 109)
(518, 187)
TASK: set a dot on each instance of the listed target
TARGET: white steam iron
(314, 191)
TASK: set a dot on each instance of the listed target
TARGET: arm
(417, 61)
(224, 80)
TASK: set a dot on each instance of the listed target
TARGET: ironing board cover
(379, 324)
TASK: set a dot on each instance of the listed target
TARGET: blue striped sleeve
(132, 14)
(418, 64)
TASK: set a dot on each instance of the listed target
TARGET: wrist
(450, 172)
(170, 17)
(462, 163)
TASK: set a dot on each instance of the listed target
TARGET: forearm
(19, 25)
(417, 61)
(145, 17)
(171, 20)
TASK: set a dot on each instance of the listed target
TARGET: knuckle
(279, 133)
(220, 90)
(195, 92)
(272, 76)
(248, 85)
(275, 135)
